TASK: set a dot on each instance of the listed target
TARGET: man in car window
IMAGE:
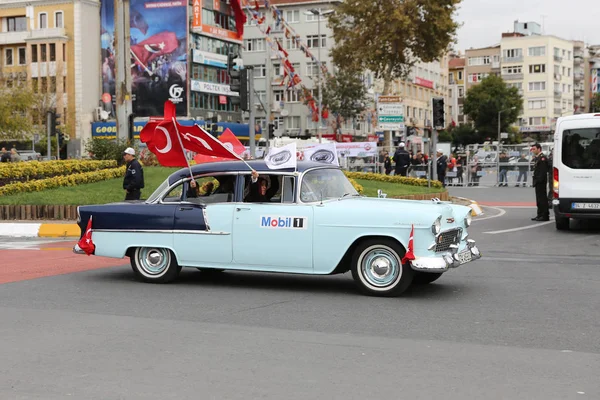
(259, 190)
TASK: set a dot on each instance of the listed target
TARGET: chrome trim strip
(178, 231)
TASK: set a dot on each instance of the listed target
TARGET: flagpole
(182, 148)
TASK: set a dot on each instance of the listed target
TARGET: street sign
(390, 113)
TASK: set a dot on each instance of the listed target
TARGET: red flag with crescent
(410, 255)
(85, 243)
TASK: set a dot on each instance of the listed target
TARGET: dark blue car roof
(235, 166)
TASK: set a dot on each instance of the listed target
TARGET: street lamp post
(319, 14)
(499, 134)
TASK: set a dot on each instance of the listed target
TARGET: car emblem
(324, 156)
(450, 220)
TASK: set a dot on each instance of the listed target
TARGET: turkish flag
(230, 141)
(410, 255)
(240, 17)
(154, 47)
(163, 143)
(85, 243)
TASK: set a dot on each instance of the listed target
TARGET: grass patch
(110, 191)
(393, 189)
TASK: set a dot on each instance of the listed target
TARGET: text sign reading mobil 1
(390, 113)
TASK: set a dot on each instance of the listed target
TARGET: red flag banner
(85, 243)
(410, 255)
(240, 17)
(230, 141)
(154, 47)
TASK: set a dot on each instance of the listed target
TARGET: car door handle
(242, 208)
(185, 208)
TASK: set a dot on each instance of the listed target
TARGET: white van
(576, 169)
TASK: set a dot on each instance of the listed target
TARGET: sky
(483, 21)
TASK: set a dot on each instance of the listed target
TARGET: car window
(325, 184)
(581, 148)
(174, 195)
(266, 190)
(212, 189)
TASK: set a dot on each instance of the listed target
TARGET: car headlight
(437, 226)
(469, 218)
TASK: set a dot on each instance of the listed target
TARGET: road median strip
(40, 229)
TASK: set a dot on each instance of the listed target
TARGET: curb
(40, 230)
(472, 204)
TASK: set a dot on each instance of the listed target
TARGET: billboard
(158, 55)
(108, 130)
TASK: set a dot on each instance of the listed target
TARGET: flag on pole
(324, 153)
(230, 141)
(410, 255)
(282, 157)
(85, 243)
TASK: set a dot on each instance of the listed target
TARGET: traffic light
(438, 113)
(271, 130)
(54, 122)
(238, 83)
(230, 63)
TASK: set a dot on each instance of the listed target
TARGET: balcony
(578, 76)
(48, 33)
(512, 77)
(558, 59)
(557, 77)
(496, 65)
(512, 59)
(578, 54)
(13, 37)
(557, 93)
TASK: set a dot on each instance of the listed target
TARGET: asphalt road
(521, 323)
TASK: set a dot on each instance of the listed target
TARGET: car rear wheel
(377, 268)
(154, 264)
(425, 278)
(562, 224)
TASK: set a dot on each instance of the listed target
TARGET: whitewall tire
(154, 264)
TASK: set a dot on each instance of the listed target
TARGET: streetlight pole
(499, 134)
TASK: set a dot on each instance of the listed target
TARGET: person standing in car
(133, 183)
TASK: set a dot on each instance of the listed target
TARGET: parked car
(316, 223)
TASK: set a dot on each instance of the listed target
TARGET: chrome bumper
(77, 249)
(446, 261)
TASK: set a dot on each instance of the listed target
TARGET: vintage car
(312, 221)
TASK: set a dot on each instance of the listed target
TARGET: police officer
(540, 182)
(134, 176)
(402, 160)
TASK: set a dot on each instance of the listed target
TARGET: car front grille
(447, 238)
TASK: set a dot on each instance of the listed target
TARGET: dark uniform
(134, 180)
(402, 160)
(540, 182)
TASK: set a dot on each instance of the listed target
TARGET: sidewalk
(51, 229)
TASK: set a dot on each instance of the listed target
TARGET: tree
(388, 37)
(15, 107)
(595, 103)
(465, 134)
(484, 101)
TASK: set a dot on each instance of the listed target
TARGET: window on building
(312, 41)
(209, 101)
(64, 84)
(569, 88)
(43, 55)
(16, 24)
(461, 110)
(537, 120)
(44, 85)
(34, 53)
(478, 77)
(260, 71)
(537, 104)
(312, 69)
(515, 69)
(557, 87)
(254, 44)
(58, 19)
(568, 71)
(312, 17)
(512, 53)
(260, 96)
(292, 123)
(537, 68)
(557, 70)
(569, 55)
(43, 23)
(22, 56)
(461, 91)
(537, 51)
(291, 44)
(460, 75)
(537, 86)
(278, 96)
(52, 88)
(483, 60)
(292, 96)
(34, 85)
(556, 52)
(292, 16)
(218, 19)
(8, 57)
(52, 51)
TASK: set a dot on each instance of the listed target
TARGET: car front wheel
(377, 268)
(154, 265)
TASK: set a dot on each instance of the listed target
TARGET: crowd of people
(9, 156)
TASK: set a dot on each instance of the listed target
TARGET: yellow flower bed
(33, 169)
(63, 180)
(357, 186)
(392, 179)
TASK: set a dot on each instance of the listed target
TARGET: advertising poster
(159, 36)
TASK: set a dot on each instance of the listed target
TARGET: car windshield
(325, 184)
(581, 148)
(154, 196)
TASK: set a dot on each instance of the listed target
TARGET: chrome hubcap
(153, 261)
(380, 267)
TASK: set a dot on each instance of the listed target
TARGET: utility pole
(251, 122)
(49, 122)
(268, 80)
(123, 67)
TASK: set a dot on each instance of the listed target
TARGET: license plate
(585, 206)
(465, 256)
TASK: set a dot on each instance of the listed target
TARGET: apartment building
(593, 75)
(581, 74)
(44, 44)
(542, 67)
(456, 90)
(481, 63)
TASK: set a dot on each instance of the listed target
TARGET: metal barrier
(515, 166)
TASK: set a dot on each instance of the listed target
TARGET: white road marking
(501, 212)
(522, 228)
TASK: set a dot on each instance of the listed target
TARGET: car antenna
(321, 197)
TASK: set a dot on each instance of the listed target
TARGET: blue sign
(108, 130)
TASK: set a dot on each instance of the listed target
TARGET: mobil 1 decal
(277, 222)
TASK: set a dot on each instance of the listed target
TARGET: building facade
(44, 44)
(456, 89)
(481, 63)
(211, 40)
(593, 76)
(580, 76)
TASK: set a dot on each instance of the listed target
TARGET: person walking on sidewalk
(540, 182)
(134, 176)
